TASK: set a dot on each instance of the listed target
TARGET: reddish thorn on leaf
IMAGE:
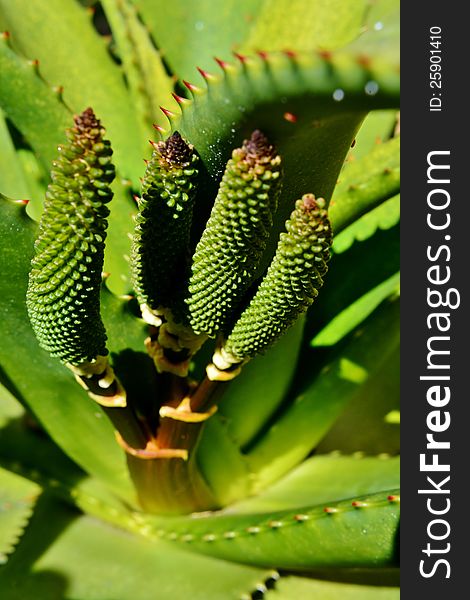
(159, 128)
(191, 87)
(105, 275)
(6, 35)
(363, 60)
(179, 99)
(223, 64)
(330, 510)
(241, 57)
(325, 54)
(166, 112)
(146, 161)
(290, 117)
(205, 74)
(300, 518)
(136, 198)
(23, 202)
(393, 498)
(262, 54)
(358, 504)
(153, 144)
(290, 53)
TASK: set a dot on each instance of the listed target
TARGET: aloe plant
(199, 359)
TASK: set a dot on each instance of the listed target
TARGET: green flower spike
(161, 240)
(235, 236)
(63, 297)
(225, 258)
(291, 284)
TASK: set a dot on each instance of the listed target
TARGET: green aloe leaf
(379, 258)
(247, 26)
(381, 30)
(356, 312)
(305, 24)
(322, 399)
(384, 216)
(36, 180)
(82, 65)
(366, 183)
(12, 178)
(74, 421)
(358, 532)
(326, 478)
(378, 127)
(300, 587)
(17, 499)
(149, 84)
(202, 32)
(292, 100)
(64, 555)
(260, 388)
(365, 425)
(118, 244)
(32, 106)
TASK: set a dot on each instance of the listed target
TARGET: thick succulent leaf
(366, 183)
(190, 38)
(118, 242)
(149, 84)
(326, 478)
(17, 499)
(378, 127)
(79, 557)
(305, 24)
(377, 260)
(36, 178)
(42, 118)
(32, 106)
(10, 408)
(369, 423)
(126, 335)
(247, 26)
(226, 470)
(324, 395)
(252, 398)
(384, 216)
(381, 30)
(300, 587)
(359, 532)
(74, 421)
(12, 179)
(269, 94)
(355, 313)
(82, 65)
(246, 405)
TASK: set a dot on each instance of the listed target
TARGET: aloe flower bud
(235, 236)
(161, 240)
(63, 297)
(289, 287)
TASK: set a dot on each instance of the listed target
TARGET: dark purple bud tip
(310, 204)
(258, 146)
(86, 121)
(175, 150)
